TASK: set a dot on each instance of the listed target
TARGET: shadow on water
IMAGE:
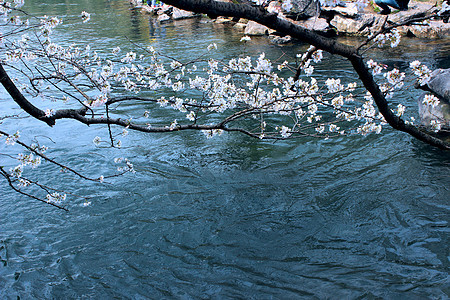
(231, 217)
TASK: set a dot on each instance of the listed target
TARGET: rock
(223, 20)
(163, 18)
(303, 9)
(439, 113)
(316, 24)
(414, 11)
(350, 10)
(279, 40)
(434, 30)
(147, 9)
(178, 14)
(352, 26)
(254, 28)
(240, 26)
(378, 22)
(165, 9)
(438, 85)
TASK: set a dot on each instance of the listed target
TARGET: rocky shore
(346, 18)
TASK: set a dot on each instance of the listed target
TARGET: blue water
(229, 217)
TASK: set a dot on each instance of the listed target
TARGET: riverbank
(343, 20)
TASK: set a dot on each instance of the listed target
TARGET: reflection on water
(231, 217)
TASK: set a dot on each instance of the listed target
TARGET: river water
(229, 217)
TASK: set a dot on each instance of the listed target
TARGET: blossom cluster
(252, 92)
(422, 72)
(253, 86)
(392, 37)
(253, 95)
(55, 198)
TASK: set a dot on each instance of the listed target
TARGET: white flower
(129, 57)
(338, 101)
(436, 125)
(395, 38)
(333, 128)
(177, 86)
(55, 198)
(173, 125)
(376, 68)
(421, 71)
(19, 3)
(213, 64)
(287, 5)
(210, 133)
(191, 116)
(116, 50)
(395, 78)
(263, 65)
(212, 46)
(431, 100)
(175, 64)
(400, 110)
(99, 101)
(85, 16)
(415, 64)
(12, 139)
(334, 85)
(285, 132)
(23, 182)
(317, 56)
(49, 112)
(97, 140)
(309, 70)
(283, 65)
(16, 171)
(320, 129)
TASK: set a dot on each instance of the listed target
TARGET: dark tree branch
(11, 184)
(271, 20)
(17, 96)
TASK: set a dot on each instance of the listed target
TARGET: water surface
(231, 217)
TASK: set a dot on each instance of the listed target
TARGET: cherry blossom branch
(10, 183)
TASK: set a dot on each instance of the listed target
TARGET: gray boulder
(349, 10)
(303, 9)
(163, 18)
(439, 113)
(316, 24)
(254, 28)
(355, 26)
(438, 85)
(178, 14)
